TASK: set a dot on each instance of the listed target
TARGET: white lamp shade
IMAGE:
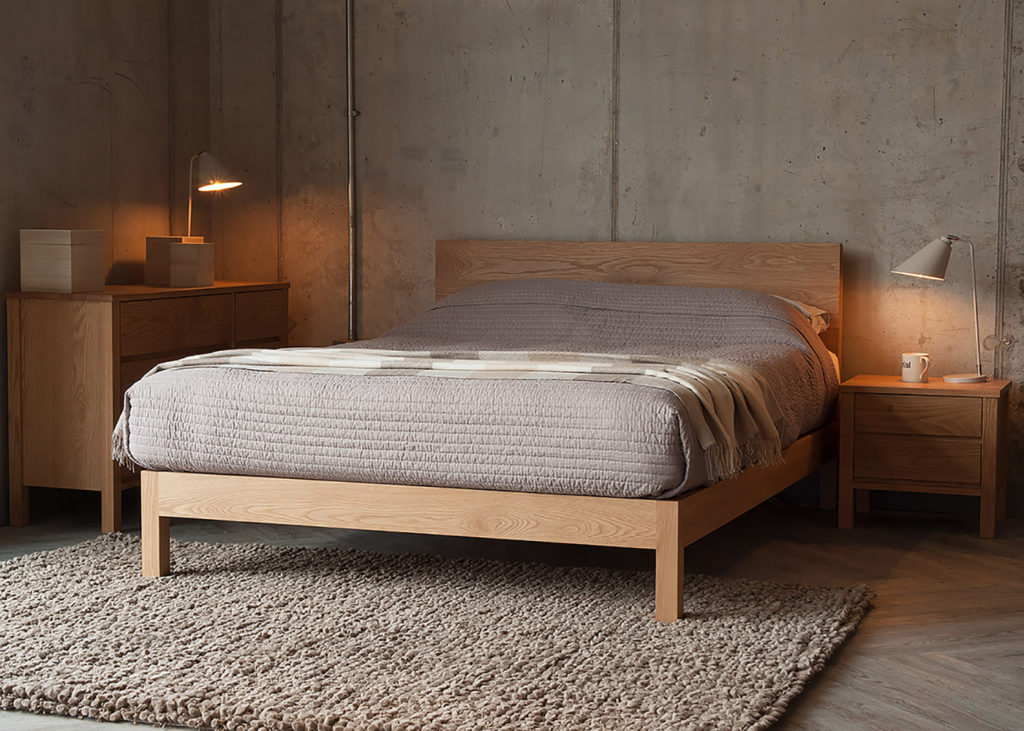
(930, 262)
(212, 175)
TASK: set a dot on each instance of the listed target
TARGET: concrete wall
(278, 98)
(875, 124)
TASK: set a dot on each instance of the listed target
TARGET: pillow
(815, 315)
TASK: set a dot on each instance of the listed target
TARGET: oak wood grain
(953, 416)
(935, 437)
(668, 563)
(846, 485)
(1003, 456)
(811, 273)
(129, 292)
(577, 519)
(18, 495)
(410, 508)
(934, 387)
(916, 458)
(156, 530)
(864, 487)
(173, 325)
(66, 393)
(991, 470)
(261, 316)
(69, 373)
(705, 509)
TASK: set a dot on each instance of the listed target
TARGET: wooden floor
(943, 648)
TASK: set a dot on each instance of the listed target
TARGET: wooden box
(178, 261)
(62, 260)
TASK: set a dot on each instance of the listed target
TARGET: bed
(556, 505)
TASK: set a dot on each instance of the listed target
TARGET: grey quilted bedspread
(578, 437)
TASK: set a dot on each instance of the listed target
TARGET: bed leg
(668, 572)
(156, 530)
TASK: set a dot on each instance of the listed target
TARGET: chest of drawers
(71, 357)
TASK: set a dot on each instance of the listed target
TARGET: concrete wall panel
(139, 131)
(243, 79)
(873, 124)
(479, 119)
(189, 93)
(314, 170)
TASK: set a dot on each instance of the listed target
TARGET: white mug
(915, 367)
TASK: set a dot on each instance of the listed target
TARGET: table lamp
(930, 263)
(206, 174)
(187, 261)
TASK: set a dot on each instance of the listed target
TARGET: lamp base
(179, 261)
(965, 378)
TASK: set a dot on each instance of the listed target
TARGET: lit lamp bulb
(206, 173)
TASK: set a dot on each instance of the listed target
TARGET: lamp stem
(191, 164)
(974, 285)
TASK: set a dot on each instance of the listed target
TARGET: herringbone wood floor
(943, 648)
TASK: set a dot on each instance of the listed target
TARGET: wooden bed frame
(810, 273)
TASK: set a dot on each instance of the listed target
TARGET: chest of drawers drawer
(176, 324)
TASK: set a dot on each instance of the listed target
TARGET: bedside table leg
(845, 506)
(828, 485)
(18, 504)
(845, 496)
(988, 514)
(992, 466)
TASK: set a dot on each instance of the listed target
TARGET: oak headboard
(811, 273)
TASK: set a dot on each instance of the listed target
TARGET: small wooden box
(62, 260)
(179, 261)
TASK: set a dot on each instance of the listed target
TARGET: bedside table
(935, 437)
(71, 357)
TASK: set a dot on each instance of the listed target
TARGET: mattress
(569, 437)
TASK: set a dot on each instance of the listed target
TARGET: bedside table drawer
(176, 324)
(942, 416)
(916, 458)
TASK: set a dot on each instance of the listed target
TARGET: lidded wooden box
(62, 260)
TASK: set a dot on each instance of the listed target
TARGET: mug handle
(927, 362)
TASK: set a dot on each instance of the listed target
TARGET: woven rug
(251, 636)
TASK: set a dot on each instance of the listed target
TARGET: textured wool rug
(248, 636)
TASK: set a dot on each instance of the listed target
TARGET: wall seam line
(1004, 185)
(279, 115)
(110, 253)
(170, 117)
(616, 41)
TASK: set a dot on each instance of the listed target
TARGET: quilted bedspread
(562, 436)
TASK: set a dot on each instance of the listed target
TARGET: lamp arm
(191, 167)
(974, 289)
